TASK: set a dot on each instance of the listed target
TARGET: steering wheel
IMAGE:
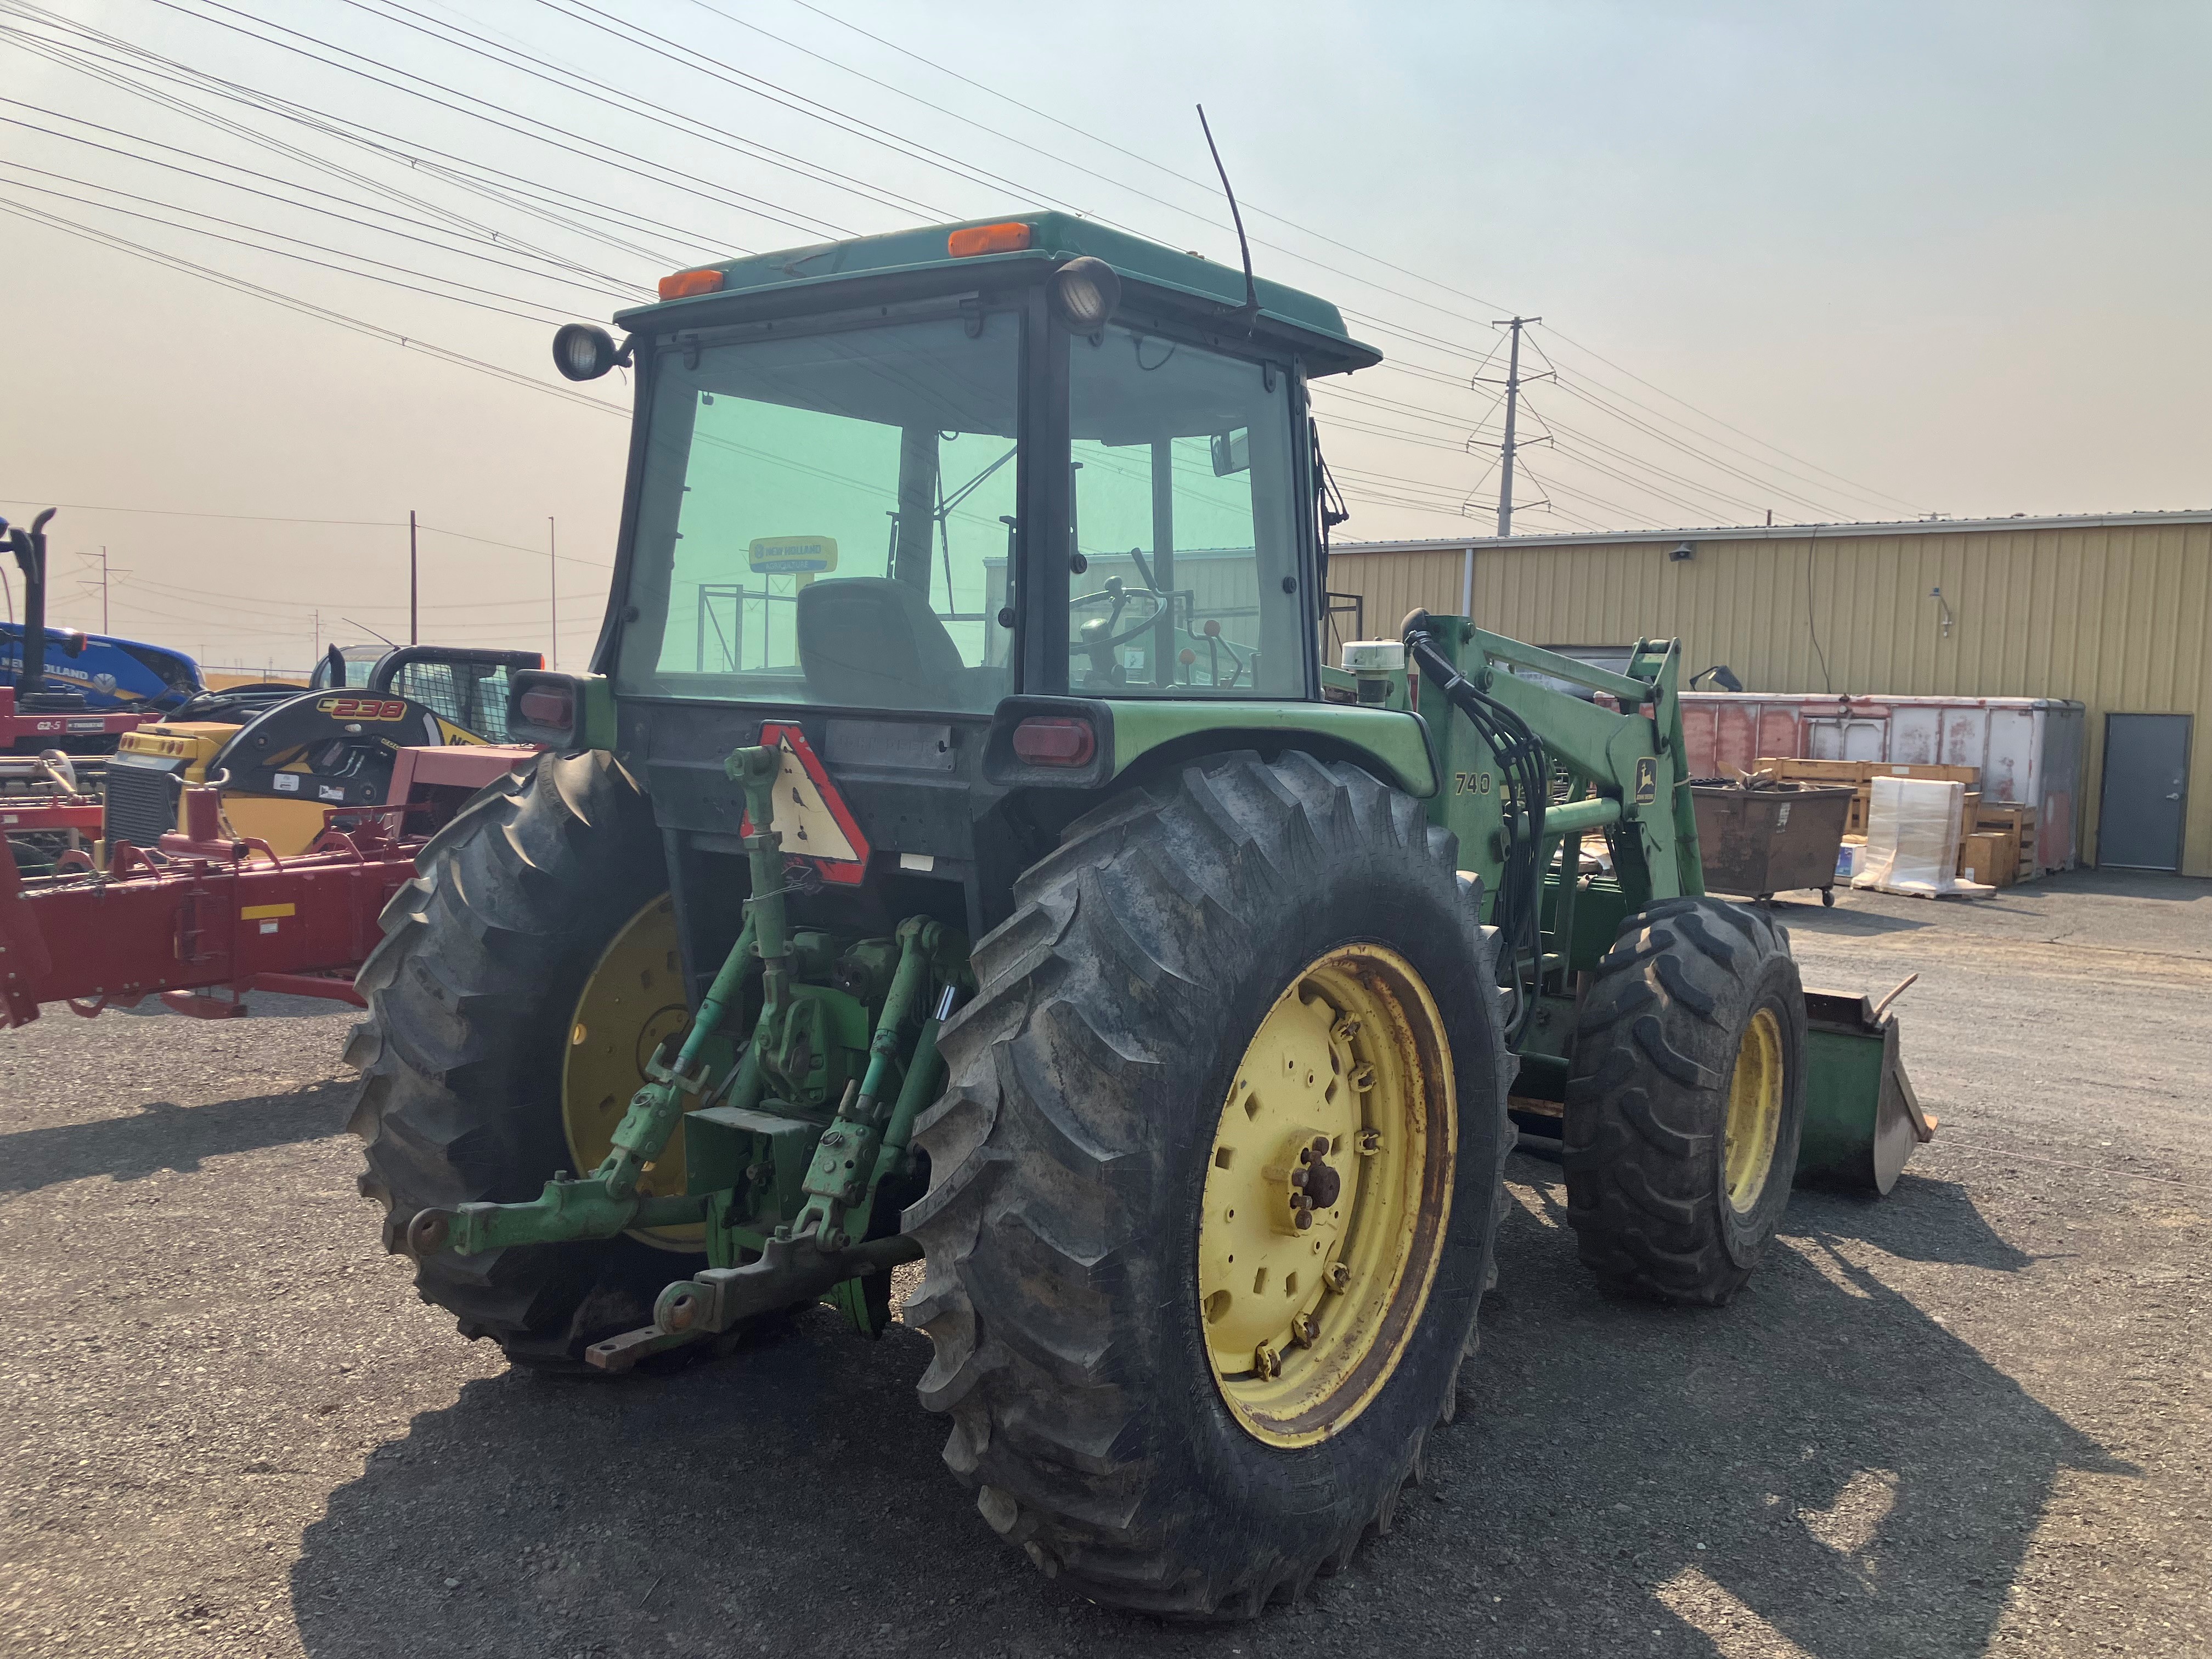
(1098, 636)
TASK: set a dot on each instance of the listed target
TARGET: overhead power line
(649, 171)
(142, 62)
(1717, 421)
(1198, 183)
(580, 219)
(607, 286)
(562, 137)
(283, 253)
(69, 226)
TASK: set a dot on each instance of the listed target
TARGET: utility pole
(553, 583)
(103, 590)
(413, 588)
(1512, 409)
(316, 655)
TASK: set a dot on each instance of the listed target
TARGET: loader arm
(1617, 769)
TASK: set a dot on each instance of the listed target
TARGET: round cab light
(1054, 740)
(1087, 292)
(583, 351)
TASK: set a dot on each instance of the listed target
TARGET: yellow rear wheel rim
(633, 1000)
(1349, 1078)
(1754, 1111)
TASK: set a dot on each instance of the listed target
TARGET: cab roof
(1313, 325)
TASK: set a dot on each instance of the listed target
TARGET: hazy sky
(1946, 257)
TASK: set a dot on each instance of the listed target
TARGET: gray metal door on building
(2145, 781)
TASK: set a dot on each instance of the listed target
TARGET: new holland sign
(793, 555)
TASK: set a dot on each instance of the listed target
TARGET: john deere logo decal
(1647, 781)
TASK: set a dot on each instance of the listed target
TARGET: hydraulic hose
(1518, 914)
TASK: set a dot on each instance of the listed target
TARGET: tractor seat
(873, 642)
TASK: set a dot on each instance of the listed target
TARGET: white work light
(583, 351)
(1087, 292)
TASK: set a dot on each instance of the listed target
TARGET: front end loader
(959, 852)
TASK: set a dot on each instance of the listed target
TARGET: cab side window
(1184, 539)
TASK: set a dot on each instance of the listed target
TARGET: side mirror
(1232, 452)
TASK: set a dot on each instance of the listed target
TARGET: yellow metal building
(2114, 612)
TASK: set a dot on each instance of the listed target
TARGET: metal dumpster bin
(1759, 843)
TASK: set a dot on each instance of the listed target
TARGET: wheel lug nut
(1305, 1219)
(1266, 1362)
(1370, 1142)
(1297, 1178)
(1303, 1331)
(1338, 1278)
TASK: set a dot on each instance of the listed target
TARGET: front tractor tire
(1686, 1101)
(1215, 1183)
(486, 1068)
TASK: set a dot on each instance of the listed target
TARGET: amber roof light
(685, 283)
(987, 239)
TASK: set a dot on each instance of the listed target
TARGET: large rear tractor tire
(521, 979)
(1687, 1100)
(1215, 1183)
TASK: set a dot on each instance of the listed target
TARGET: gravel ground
(1975, 1417)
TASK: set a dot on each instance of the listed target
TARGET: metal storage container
(1759, 843)
(2028, 748)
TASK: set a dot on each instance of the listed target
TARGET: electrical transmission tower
(1513, 385)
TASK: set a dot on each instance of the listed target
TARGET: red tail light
(548, 706)
(1054, 740)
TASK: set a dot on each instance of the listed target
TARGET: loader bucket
(1861, 1118)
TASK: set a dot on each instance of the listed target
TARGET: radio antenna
(1250, 308)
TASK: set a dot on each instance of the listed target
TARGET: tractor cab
(993, 496)
(928, 470)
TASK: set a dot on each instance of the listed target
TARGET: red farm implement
(206, 917)
(27, 730)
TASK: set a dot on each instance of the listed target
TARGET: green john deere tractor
(960, 853)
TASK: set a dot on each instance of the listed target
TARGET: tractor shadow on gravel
(788, 1498)
(163, 1135)
(1821, 1463)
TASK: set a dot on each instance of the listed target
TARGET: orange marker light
(987, 239)
(685, 283)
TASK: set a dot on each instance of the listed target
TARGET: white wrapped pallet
(1912, 839)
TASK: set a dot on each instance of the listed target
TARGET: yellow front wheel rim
(1754, 1111)
(633, 1000)
(1341, 1110)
